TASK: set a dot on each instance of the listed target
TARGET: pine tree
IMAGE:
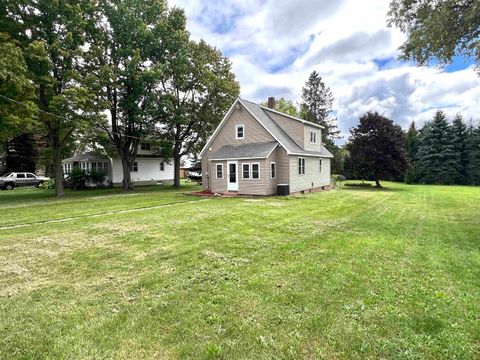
(22, 154)
(459, 129)
(473, 149)
(317, 101)
(411, 145)
(436, 159)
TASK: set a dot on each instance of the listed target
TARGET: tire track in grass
(113, 212)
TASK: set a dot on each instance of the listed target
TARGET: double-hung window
(301, 166)
(256, 171)
(135, 167)
(313, 137)
(320, 165)
(273, 170)
(219, 171)
(240, 131)
(246, 171)
(162, 166)
(145, 146)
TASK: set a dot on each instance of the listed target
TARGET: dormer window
(240, 131)
(145, 146)
(313, 137)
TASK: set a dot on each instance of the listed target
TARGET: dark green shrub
(77, 179)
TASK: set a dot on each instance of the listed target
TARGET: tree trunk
(377, 183)
(176, 167)
(127, 179)
(58, 172)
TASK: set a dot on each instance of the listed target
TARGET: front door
(232, 176)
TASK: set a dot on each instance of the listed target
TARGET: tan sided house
(256, 150)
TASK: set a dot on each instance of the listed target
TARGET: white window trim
(314, 133)
(162, 164)
(144, 146)
(298, 166)
(216, 172)
(236, 131)
(251, 172)
(133, 166)
(275, 165)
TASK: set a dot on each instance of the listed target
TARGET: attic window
(240, 131)
(313, 137)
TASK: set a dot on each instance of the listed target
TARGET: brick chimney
(271, 103)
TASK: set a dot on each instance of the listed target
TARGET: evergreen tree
(377, 148)
(317, 101)
(22, 154)
(459, 129)
(473, 148)
(436, 158)
(411, 145)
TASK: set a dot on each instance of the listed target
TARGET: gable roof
(273, 129)
(86, 157)
(245, 151)
(309, 123)
(278, 133)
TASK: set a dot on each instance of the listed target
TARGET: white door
(232, 176)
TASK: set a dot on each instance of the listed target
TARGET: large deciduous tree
(196, 90)
(436, 158)
(52, 37)
(285, 106)
(17, 97)
(121, 73)
(377, 148)
(437, 29)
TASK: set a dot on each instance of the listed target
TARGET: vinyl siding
(271, 184)
(312, 178)
(292, 127)
(283, 166)
(254, 132)
(254, 186)
(218, 185)
(148, 170)
(307, 145)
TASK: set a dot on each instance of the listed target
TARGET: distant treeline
(443, 153)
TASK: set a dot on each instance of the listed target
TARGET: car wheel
(8, 186)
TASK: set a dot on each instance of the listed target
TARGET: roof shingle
(244, 151)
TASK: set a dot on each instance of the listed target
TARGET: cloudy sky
(275, 44)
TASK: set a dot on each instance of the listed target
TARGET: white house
(149, 166)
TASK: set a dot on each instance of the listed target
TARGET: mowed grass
(350, 273)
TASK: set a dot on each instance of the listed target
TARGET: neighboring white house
(149, 166)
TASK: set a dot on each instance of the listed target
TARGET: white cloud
(275, 44)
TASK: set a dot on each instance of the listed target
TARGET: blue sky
(275, 44)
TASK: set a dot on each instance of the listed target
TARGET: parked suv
(11, 180)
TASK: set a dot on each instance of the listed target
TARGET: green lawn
(350, 273)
